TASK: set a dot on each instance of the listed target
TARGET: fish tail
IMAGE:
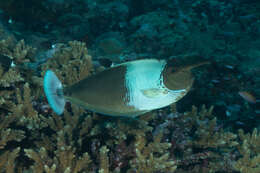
(53, 91)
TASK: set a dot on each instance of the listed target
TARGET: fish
(247, 96)
(128, 89)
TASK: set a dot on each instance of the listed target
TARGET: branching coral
(104, 161)
(70, 62)
(70, 133)
(7, 134)
(152, 157)
(19, 52)
(24, 102)
(19, 55)
(7, 160)
(64, 160)
(24, 110)
(79, 141)
(7, 45)
(10, 77)
(58, 152)
(208, 134)
(120, 131)
(197, 140)
(250, 151)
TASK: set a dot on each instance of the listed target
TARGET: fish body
(247, 96)
(128, 89)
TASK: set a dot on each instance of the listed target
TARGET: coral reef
(70, 62)
(208, 134)
(64, 160)
(9, 135)
(22, 115)
(7, 160)
(104, 160)
(152, 157)
(34, 139)
(14, 71)
(250, 152)
(20, 55)
(198, 142)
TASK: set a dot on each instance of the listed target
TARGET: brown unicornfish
(129, 89)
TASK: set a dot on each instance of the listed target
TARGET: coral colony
(34, 138)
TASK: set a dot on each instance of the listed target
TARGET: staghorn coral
(70, 62)
(152, 157)
(104, 161)
(24, 110)
(79, 141)
(21, 106)
(64, 160)
(75, 130)
(7, 79)
(208, 134)
(59, 151)
(16, 83)
(7, 45)
(7, 160)
(194, 145)
(7, 135)
(10, 135)
(24, 105)
(22, 53)
(61, 147)
(120, 131)
(19, 52)
(19, 56)
(250, 152)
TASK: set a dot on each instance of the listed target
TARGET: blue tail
(53, 91)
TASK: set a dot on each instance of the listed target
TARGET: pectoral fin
(154, 92)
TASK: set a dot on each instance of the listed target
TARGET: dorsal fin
(177, 74)
(186, 62)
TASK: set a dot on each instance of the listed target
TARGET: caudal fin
(53, 91)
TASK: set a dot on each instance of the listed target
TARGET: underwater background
(215, 128)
